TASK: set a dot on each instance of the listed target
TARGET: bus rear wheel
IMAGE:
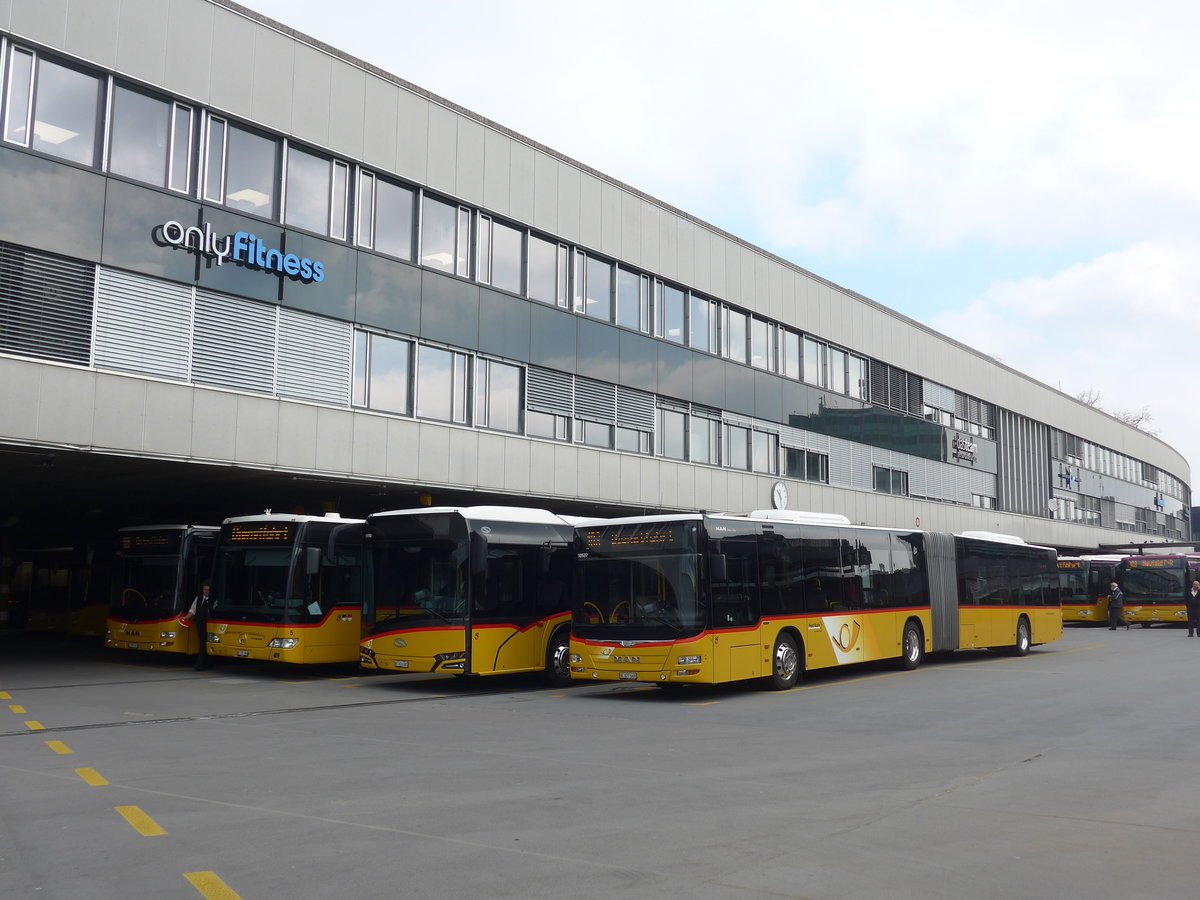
(785, 663)
(558, 659)
(1021, 645)
(912, 651)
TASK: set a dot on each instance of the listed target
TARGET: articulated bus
(159, 572)
(1155, 586)
(1085, 584)
(481, 590)
(705, 599)
(288, 588)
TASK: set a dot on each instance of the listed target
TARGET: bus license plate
(132, 646)
(402, 664)
(628, 676)
(243, 653)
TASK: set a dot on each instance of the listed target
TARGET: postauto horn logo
(242, 247)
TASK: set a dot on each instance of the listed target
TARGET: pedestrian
(1193, 609)
(197, 614)
(1116, 607)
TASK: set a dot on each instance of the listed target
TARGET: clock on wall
(779, 495)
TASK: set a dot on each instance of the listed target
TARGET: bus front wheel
(558, 659)
(1021, 645)
(785, 663)
(912, 650)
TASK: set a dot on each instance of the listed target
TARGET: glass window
(66, 110)
(814, 362)
(705, 445)
(632, 440)
(139, 137)
(547, 271)
(791, 354)
(595, 434)
(762, 341)
(393, 219)
(498, 396)
(245, 177)
(890, 481)
(599, 289)
(702, 324)
(816, 467)
(633, 301)
(180, 176)
(439, 235)
(672, 436)
(507, 258)
(442, 385)
(382, 373)
(20, 83)
(837, 370)
(547, 425)
(734, 335)
(309, 188)
(669, 313)
(764, 452)
(737, 447)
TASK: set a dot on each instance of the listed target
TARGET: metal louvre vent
(879, 383)
(142, 325)
(45, 305)
(314, 358)
(234, 343)
(595, 400)
(635, 409)
(938, 395)
(916, 402)
(550, 392)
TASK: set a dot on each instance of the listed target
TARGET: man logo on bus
(847, 636)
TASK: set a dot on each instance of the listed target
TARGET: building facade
(226, 247)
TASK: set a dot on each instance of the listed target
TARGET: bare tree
(1139, 419)
(1090, 397)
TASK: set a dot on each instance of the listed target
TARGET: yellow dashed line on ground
(5, 695)
(35, 726)
(16, 709)
(92, 777)
(141, 822)
(211, 887)
(60, 748)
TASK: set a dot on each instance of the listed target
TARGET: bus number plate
(132, 646)
(243, 653)
(628, 676)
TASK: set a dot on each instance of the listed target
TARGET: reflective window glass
(441, 385)
(308, 190)
(393, 219)
(734, 337)
(140, 131)
(507, 257)
(791, 354)
(181, 149)
(547, 271)
(705, 445)
(764, 452)
(837, 370)
(761, 355)
(498, 396)
(631, 440)
(214, 155)
(672, 438)
(547, 425)
(737, 447)
(670, 313)
(632, 309)
(388, 369)
(702, 324)
(20, 80)
(599, 289)
(438, 234)
(66, 113)
(814, 369)
(251, 171)
(856, 377)
(595, 434)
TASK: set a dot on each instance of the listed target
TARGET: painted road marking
(92, 777)
(211, 887)
(5, 695)
(35, 726)
(141, 822)
(13, 708)
(60, 748)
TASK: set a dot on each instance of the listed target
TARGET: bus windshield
(146, 587)
(419, 577)
(638, 577)
(1153, 579)
(1073, 582)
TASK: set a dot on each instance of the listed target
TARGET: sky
(1021, 176)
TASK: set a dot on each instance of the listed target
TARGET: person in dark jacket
(1192, 599)
(1116, 607)
(197, 614)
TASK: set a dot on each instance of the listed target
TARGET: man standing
(197, 614)
(1193, 609)
(1116, 608)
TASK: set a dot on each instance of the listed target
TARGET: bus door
(507, 630)
(736, 602)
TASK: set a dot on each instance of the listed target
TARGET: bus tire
(912, 646)
(1021, 644)
(558, 659)
(786, 664)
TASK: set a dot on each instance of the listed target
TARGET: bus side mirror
(312, 560)
(479, 554)
(718, 569)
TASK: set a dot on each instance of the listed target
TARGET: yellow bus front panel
(1150, 614)
(1086, 612)
(334, 639)
(163, 636)
(417, 650)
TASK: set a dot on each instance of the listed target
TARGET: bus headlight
(167, 635)
(689, 661)
(214, 638)
(576, 658)
(284, 643)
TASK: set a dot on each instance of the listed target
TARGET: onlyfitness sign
(242, 247)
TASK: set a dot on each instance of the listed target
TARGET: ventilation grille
(45, 305)
(142, 325)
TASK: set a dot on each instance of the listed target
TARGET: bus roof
(521, 514)
(290, 517)
(173, 527)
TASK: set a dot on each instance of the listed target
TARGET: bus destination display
(261, 532)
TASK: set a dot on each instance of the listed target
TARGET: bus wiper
(672, 622)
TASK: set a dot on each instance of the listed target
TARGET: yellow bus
(287, 588)
(1155, 586)
(706, 599)
(159, 572)
(1085, 584)
(480, 590)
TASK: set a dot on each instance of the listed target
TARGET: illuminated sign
(150, 542)
(1135, 563)
(243, 248)
(1070, 564)
(624, 538)
(260, 533)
